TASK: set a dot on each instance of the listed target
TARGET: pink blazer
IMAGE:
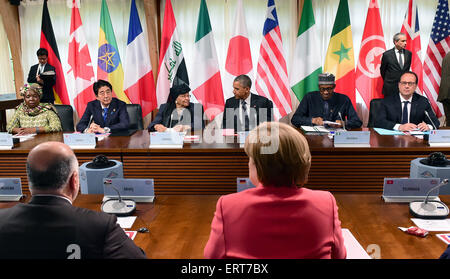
(269, 222)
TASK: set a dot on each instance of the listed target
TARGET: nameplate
(242, 136)
(139, 190)
(409, 189)
(80, 141)
(10, 189)
(244, 183)
(6, 141)
(166, 139)
(439, 138)
(352, 139)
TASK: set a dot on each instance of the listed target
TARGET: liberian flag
(48, 42)
(271, 78)
(172, 67)
(109, 66)
(206, 84)
(239, 57)
(81, 73)
(306, 65)
(138, 82)
(340, 59)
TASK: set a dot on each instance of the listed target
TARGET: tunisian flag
(48, 42)
(81, 73)
(368, 79)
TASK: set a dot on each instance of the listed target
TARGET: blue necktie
(105, 114)
(405, 112)
(326, 110)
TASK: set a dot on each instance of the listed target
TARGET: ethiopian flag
(109, 66)
(340, 59)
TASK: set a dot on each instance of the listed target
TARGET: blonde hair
(280, 153)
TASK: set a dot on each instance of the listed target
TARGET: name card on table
(244, 183)
(242, 136)
(409, 189)
(352, 139)
(166, 139)
(439, 138)
(139, 190)
(6, 141)
(10, 189)
(80, 141)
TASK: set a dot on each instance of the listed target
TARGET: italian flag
(340, 59)
(207, 84)
(307, 62)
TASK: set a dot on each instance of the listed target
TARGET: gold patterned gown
(44, 115)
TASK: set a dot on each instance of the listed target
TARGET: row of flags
(134, 81)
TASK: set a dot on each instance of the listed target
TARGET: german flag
(48, 42)
(340, 59)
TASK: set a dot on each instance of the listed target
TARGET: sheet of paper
(385, 132)
(126, 222)
(23, 138)
(131, 234)
(444, 237)
(433, 225)
(354, 249)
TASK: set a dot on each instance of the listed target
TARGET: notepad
(385, 132)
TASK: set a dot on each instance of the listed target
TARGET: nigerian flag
(307, 62)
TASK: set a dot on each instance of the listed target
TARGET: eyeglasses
(323, 89)
(410, 83)
(104, 93)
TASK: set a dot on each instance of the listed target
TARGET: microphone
(118, 207)
(89, 123)
(343, 122)
(429, 118)
(430, 209)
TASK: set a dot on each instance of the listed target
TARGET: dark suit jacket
(261, 110)
(49, 82)
(194, 113)
(390, 112)
(446, 254)
(47, 225)
(390, 70)
(117, 118)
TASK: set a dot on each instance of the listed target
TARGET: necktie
(326, 110)
(405, 112)
(400, 58)
(245, 115)
(105, 114)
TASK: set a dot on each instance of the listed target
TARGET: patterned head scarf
(34, 87)
(42, 107)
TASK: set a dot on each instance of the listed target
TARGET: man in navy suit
(44, 74)
(406, 110)
(104, 114)
(245, 110)
(394, 63)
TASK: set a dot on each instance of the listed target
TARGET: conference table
(189, 181)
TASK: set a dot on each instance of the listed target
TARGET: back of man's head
(50, 165)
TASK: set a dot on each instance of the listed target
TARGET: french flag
(139, 84)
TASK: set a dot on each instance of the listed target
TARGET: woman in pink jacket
(279, 218)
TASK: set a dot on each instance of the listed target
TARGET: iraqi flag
(138, 82)
(206, 84)
(81, 73)
(239, 57)
(48, 42)
(172, 68)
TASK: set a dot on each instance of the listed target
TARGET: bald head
(49, 165)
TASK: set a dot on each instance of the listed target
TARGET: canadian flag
(239, 57)
(81, 73)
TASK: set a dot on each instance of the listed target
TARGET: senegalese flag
(340, 59)
(109, 66)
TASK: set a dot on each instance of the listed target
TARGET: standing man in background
(394, 63)
(44, 74)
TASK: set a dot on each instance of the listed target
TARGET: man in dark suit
(406, 110)
(104, 114)
(394, 63)
(49, 226)
(43, 74)
(245, 110)
(326, 105)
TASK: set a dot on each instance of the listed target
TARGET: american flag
(438, 46)
(271, 77)
(411, 28)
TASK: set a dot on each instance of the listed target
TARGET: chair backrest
(135, 114)
(375, 105)
(65, 113)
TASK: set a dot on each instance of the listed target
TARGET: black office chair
(65, 113)
(135, 114)
(375, 105)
